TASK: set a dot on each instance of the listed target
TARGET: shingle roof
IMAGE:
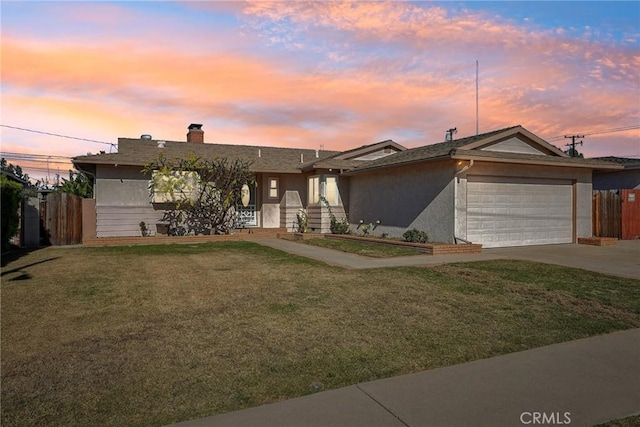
(138, 152)
(12, 176)
(465, 148)
(628, 163)
(427, 152)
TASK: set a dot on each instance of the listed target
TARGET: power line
(612, 130)
(33, 155)
(58, 135)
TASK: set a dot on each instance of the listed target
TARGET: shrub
(144, 229)
(302, 221)
(337, 226)
(11, 195)
(415, 236)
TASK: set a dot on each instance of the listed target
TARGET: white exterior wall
(402, 198)
(122, 202)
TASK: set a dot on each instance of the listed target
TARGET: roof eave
(513, 131)
(542, 162)
(392, 165)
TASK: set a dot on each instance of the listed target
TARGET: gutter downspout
(466, 168)
(455, 205)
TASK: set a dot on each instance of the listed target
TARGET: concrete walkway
(621, 260)
(580, 383)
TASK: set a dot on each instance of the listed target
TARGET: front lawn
(363, 248)
(151, 335)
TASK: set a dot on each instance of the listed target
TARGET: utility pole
(573, 144)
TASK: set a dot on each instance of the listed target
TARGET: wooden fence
(630, 200)
(616, 213)
(62, 215)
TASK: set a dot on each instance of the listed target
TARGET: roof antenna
(449, 136)
(477, 111)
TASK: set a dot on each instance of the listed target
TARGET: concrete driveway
(621, 260)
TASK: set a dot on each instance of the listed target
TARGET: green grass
(150, 335)
(633, 421)
(362, 248)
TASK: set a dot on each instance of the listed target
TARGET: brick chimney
(195, 134)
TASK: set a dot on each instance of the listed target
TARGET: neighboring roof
(466, 148)
(14, 177)
(626, 162)
(139, 152)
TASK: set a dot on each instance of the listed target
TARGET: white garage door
(519, 212)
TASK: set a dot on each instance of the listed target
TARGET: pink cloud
(125, 87)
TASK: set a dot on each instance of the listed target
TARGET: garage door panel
(516, 212)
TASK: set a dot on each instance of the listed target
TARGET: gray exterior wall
(122, 202)
(416, 196)
(580, 176)
(30, 222)
(293, 199)
(617, 180)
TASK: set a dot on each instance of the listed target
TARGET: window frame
(321, 190)
(189, 178)
(270, 188)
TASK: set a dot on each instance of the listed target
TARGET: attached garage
(501, 189)
(506, 211)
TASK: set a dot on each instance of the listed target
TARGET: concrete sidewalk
(621, 260)
(580, 383)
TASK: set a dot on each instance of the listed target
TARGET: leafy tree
(13, 169)
(29, 189)
(573, 152)
(11, 193)
(202, 193)
(77, 184)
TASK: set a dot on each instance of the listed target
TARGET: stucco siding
(290, 205)
(418, 196)
(293, 198)
(584, 206)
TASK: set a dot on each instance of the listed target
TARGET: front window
(324, 186)
(173, 187)
(331, 190)
(273, 188)
(314, 190)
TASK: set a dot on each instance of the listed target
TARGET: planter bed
(301, 236)
(598, 241)
(428, 248)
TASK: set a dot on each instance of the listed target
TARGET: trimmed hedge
(11, 195)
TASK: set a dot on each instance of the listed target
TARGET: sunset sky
(331, 74)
